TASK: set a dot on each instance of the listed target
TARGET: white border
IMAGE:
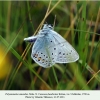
(49, 95)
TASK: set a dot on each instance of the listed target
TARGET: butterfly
(50, 48)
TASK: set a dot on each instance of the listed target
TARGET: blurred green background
(77, 21)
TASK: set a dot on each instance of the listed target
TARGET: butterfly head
(47, 27)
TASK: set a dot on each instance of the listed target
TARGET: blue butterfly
(50, 48)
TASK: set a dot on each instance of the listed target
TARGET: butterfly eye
(50, 26)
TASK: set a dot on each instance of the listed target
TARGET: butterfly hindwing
(42, 54)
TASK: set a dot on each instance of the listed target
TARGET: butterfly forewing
(66, 53)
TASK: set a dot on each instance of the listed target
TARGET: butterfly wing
(44, 52)
(66, 53)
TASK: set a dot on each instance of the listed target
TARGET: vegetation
(77, 22)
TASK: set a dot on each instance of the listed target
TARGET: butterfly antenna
(46, 22)
(54, 22)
